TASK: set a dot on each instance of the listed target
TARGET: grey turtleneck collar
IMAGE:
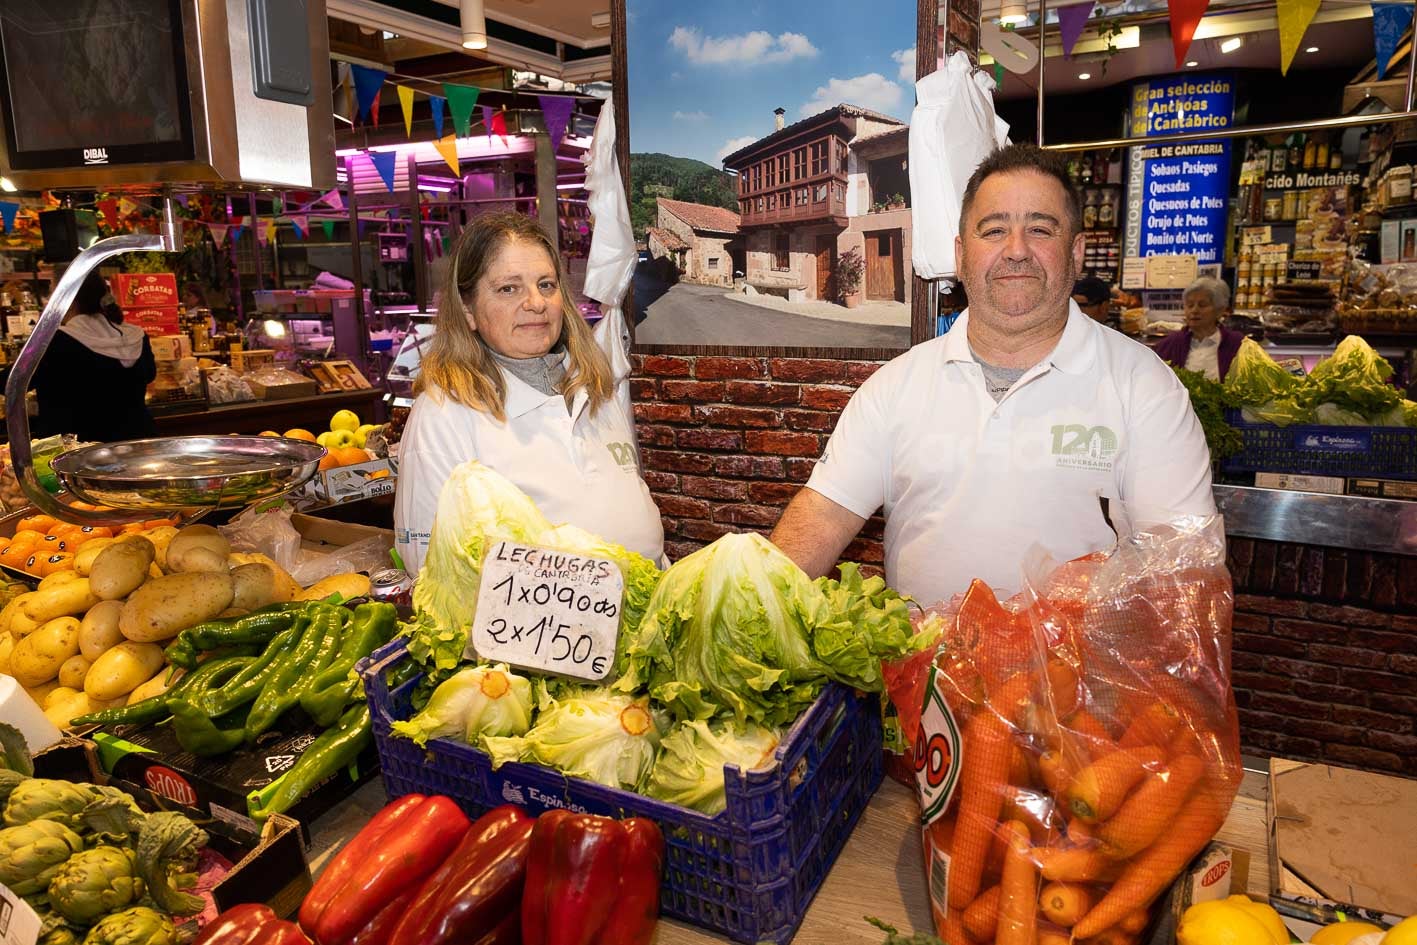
(543, 374)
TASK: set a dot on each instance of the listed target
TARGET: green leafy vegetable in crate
(689, 771)
(1208, 400)
(477, 702)
(1353, 378)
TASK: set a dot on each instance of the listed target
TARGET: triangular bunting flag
(406, 103)
(366, 87)
(1294, 18)
(448, 147)
(487, 120)
(236, 232)
(236, 219)
(461, 99)
(277, 205)
(1071, 21)
(109, 209)
(384, 163)
(333, 199)
(499, 124)
(182, 199)
(374, 110)
(218, 231)
(8, 209)
(270, 230)
(998, 73)
(556, 109)
(435, 102)
(1390, 21)
(1185, 17)
(301, 223)
(329, 227)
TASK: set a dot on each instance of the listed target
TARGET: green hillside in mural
(660, 175)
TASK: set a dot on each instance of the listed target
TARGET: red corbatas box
(145, 289)
(156, 321)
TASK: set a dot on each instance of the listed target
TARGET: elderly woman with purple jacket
(1203, 345)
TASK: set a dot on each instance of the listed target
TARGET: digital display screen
(81, 75)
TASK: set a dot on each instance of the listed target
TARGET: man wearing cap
(1094, 297)
(1011, 429)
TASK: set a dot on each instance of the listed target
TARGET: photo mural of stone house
(703, 242)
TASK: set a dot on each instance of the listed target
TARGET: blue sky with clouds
(705, 76)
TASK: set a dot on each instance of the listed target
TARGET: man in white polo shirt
(1009, 430)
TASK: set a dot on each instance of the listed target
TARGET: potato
(58, 694)
(36, 659)
(58, 577)
(122, 669)
(348, 585)
(73, 670)
(289, 586)
(232, 613)
(154, 570)
(7, 646)
(10, 610)
(120, 568)
(161, 537)
(84, 557)
(165, 606)
(61, 600)
(197, 548)
(155, 686)
(62, 712)
(40, 693)
(256, 586)
(22, 626)
(98, 632)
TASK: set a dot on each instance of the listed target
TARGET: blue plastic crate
(749, 873)
(1383, 452)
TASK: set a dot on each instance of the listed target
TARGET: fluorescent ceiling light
(7, 185)
(1084, 76)
(273, 329)
(1012, 14)
(1192, 63)
(474, 25)
(1232, 44)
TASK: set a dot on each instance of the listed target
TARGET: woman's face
(517, 304)
(1202, 316)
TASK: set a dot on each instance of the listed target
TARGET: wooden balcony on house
(830, 209)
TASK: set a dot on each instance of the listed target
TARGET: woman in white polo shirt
(514, 379)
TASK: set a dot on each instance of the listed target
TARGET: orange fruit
(33, 563)
(268, 433)
(13, 557)
(96, 531)
(299, 434)
(52, 544)
(28, 535)
(156, 523)
(349, 455)
(62, 561)
(39, 523)
(328, 461)
(132, 528)
(65, 530)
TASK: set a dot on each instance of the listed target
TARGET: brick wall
(727, 441)
(1325, 654)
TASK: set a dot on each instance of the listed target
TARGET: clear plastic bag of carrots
(1075, 746)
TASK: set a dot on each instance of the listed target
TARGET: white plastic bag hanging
(952, 129)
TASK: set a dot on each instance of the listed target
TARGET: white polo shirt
(968, 485)
(580, 468)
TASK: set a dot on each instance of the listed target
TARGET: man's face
(1018, 255)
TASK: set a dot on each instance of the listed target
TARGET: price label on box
(19, 924)
(548, 610)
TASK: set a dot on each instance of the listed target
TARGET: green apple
(324, 439)
(345, 420)
(339, 439)
(362, 434)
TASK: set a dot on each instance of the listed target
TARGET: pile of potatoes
(93, 637)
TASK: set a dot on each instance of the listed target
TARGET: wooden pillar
(546, 209)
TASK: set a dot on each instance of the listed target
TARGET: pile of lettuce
(1351, 387)
(717, 656)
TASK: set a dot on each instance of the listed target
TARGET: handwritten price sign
(548, 610)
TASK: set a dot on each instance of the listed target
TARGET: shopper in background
(1094, 297)
(514, 379)
(93, 378)
(1204, 345)
(1011, 429)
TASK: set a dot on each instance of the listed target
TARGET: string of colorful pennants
(1390, 22)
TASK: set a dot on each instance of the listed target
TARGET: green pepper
(198, 733)
(258, 627)
(336, 748)
(247, 684)
(282, 688)
(155, 708)
(330, 691)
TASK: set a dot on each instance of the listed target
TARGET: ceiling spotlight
(1192, 64)
(7, 185)
(1084, 76)
(1229, 46)
(1012, 14)
(1312, 49)
(474, 25)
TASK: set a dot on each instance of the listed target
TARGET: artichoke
(93, 883)
(47, 799)
(137, 926)
(167, 858)
(59, 935)
(31, 854)
(9, 780)
(14, 751)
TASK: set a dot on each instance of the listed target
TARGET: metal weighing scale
(138, 478)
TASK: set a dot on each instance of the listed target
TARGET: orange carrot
(1150, 808)
(1079, 832)
(1019, 773)
(1062, 686)
(987, 751)
(1149, 873)
(1154, 725)
(1134, 923)
(1100, 788)
(1064, 903)
(1055, 771)
(1071, 864)
(952, 927)
(1110, 937)
(982, 916)
(1093, 732)
(1018, 890)
(1052, 937)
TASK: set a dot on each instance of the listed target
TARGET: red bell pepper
(250, 924)
(395, 852)
(591, 881)
(475, 896)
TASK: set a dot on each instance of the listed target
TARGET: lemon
(1266, 914)
(1403, 933)
(1341, 933)
(362, 434)
(345, 420)
(324, 438)
(1222, 922)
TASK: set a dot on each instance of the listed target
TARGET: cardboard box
(1340, 837)
(145, 290)
(378, 477)
(157, 322)
(335, 376)
(172, 347)
(287, 388)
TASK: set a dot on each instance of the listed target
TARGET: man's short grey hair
(1218, 291)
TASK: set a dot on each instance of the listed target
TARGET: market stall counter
(311, 413)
